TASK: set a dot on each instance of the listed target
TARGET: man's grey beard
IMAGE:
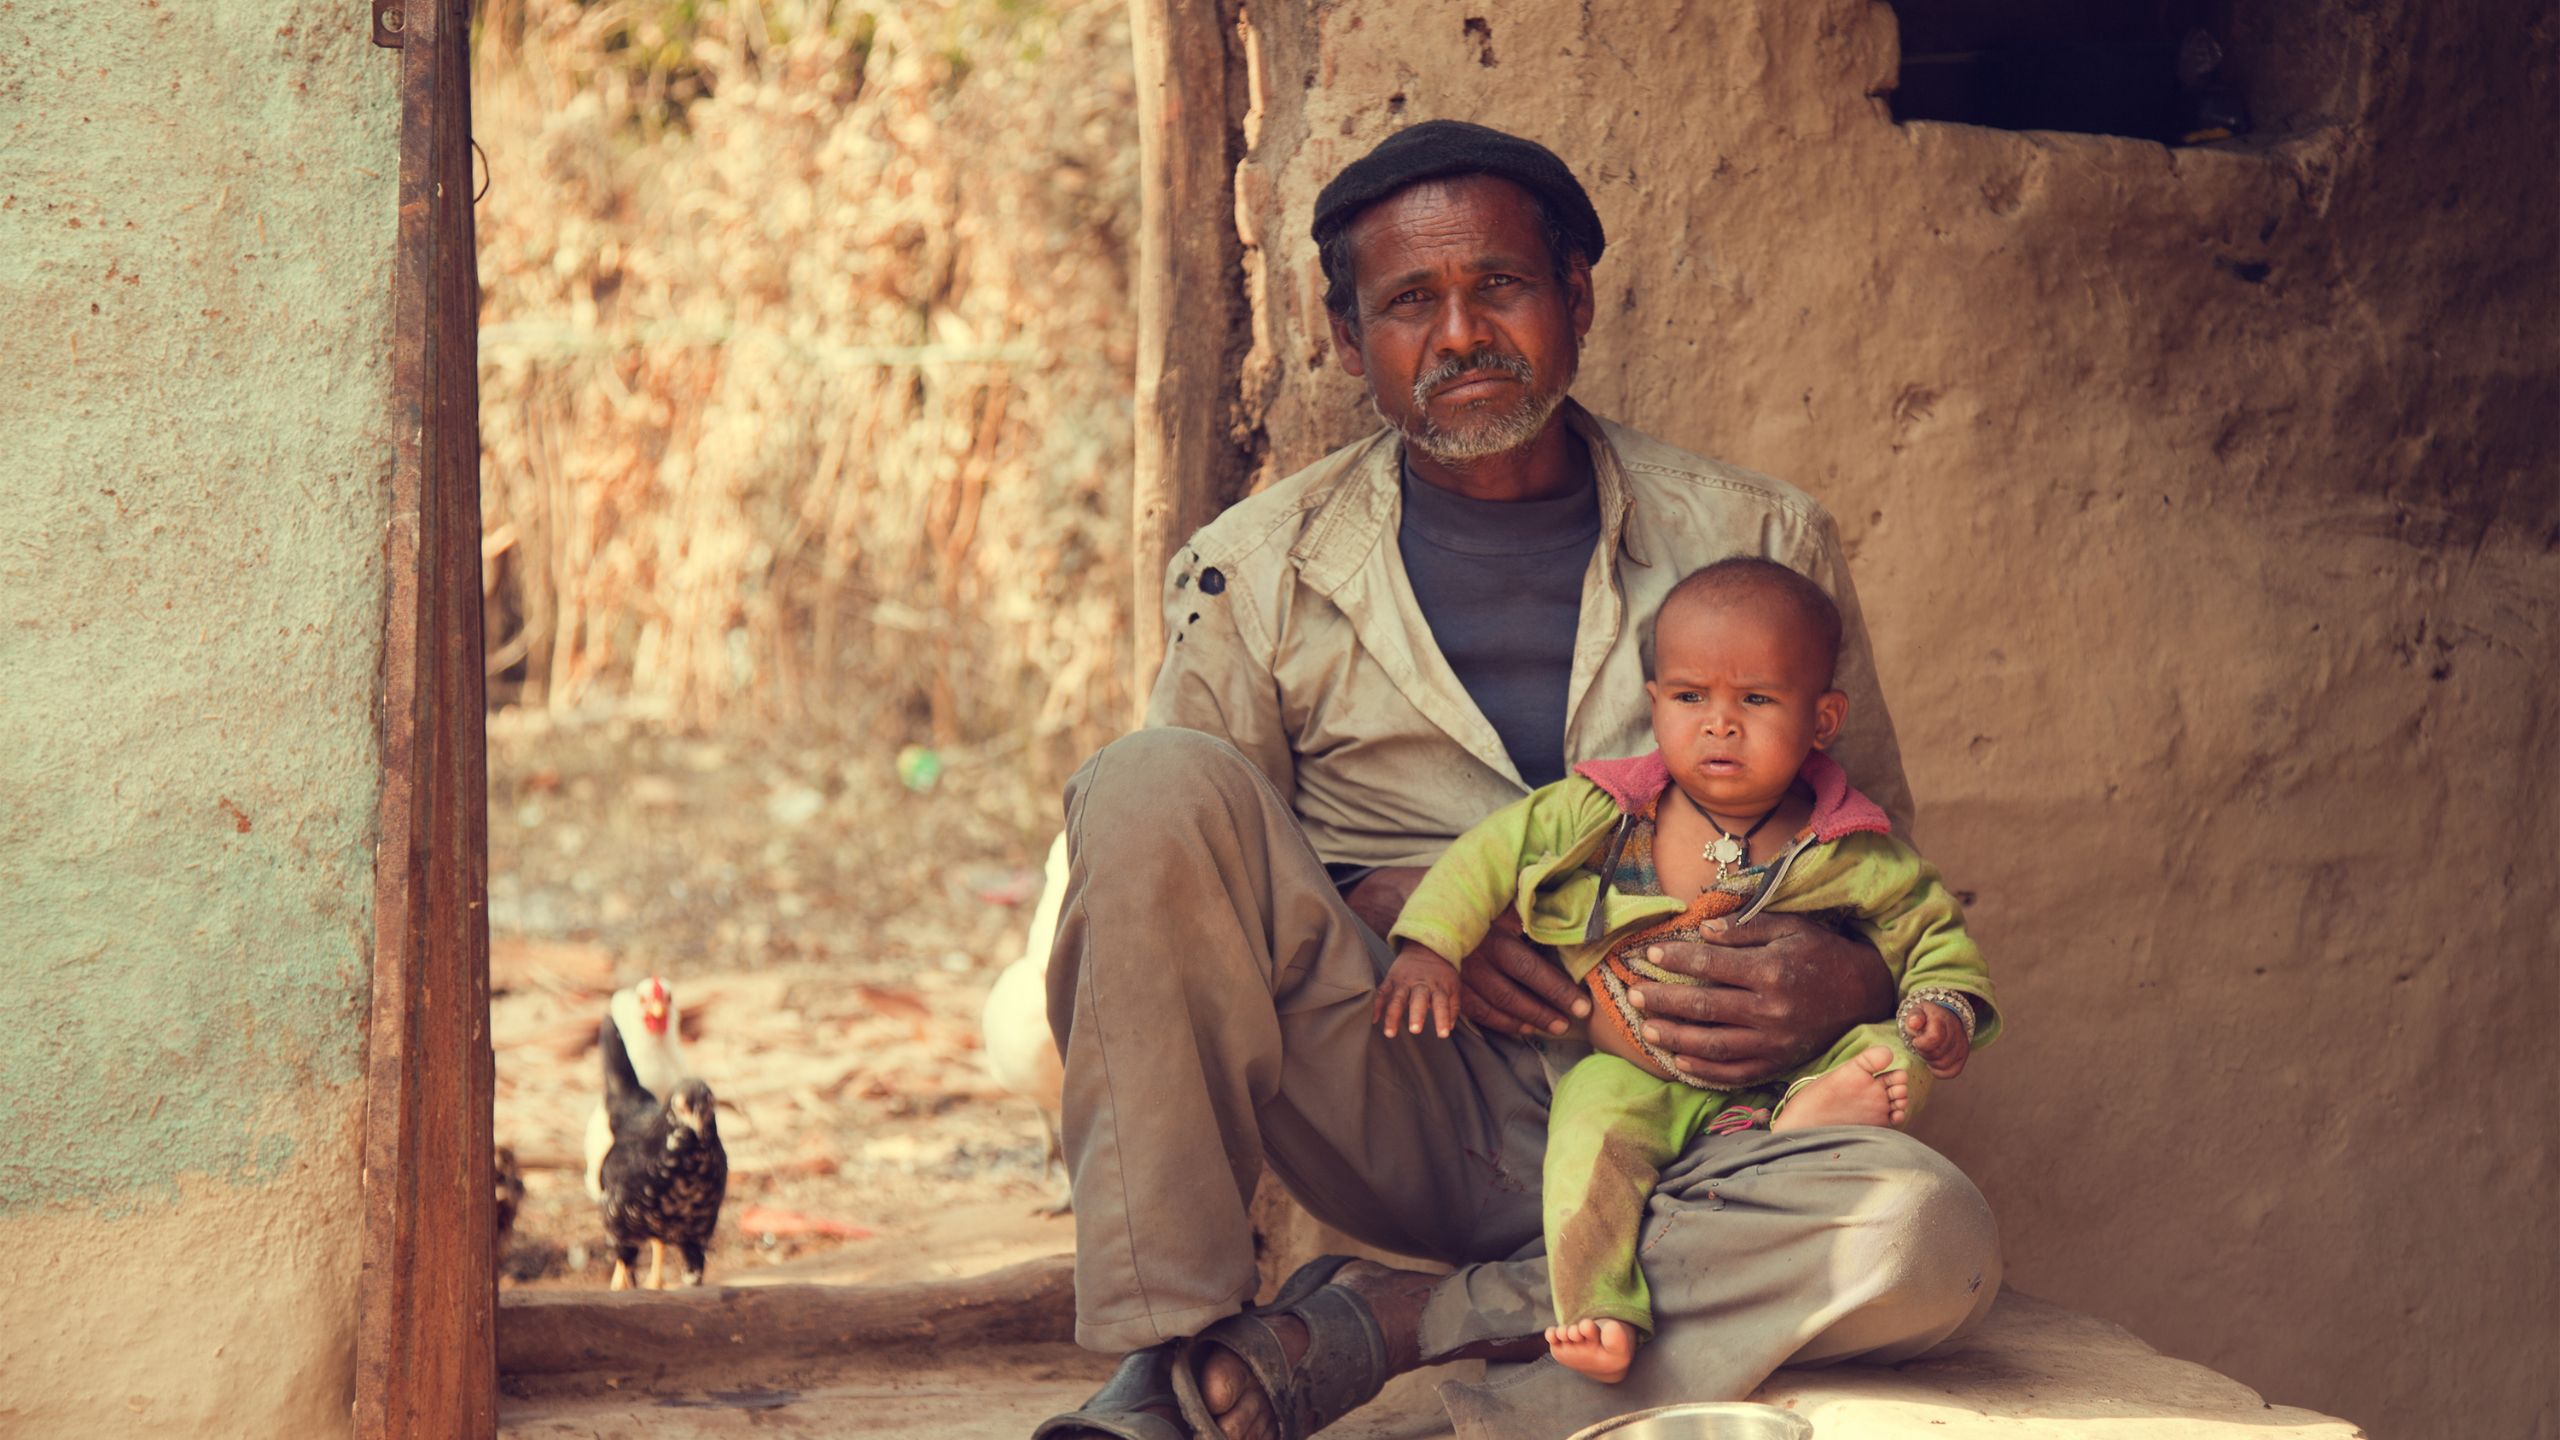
(1480, 435)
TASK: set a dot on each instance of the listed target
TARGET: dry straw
(805, 362)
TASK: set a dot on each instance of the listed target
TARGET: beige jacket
(1296, 636)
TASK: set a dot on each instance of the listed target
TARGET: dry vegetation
(805, 361)
(805, 372)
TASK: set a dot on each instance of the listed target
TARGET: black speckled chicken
(666, 1174)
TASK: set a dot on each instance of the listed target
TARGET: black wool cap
(1438, 148)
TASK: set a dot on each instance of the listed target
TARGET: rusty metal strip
(426, 1359)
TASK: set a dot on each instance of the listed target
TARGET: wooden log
(561, 1332)
(1191, 321)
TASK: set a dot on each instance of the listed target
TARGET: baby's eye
(1756, 698)
(1687, 697)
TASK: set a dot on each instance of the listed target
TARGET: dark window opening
(2150, 69)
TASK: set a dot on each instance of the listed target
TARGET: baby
(1737, 811)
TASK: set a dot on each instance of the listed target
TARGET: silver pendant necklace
(1728, 849)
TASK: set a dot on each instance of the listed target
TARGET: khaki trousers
(1211, 994)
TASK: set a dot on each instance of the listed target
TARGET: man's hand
(1513, 988)
(1378, 897)
(1509, 986)
(1781, 990)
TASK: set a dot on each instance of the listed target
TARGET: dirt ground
(829, 933)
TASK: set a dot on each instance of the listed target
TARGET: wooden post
(426, 1333)
(1190, 299)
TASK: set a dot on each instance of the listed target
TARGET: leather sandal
(1344, 1368)
(1145, 1378)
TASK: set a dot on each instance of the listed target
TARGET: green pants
(1610, 1129)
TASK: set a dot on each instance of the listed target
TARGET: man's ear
(1346, 345)
(1577, 285)
(1828, 714)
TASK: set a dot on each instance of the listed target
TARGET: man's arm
(1217, 679)
(1217, 673)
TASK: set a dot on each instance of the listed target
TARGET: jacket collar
(1360, 505)
(1839, 808)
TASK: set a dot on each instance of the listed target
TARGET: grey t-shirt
(1500, 581)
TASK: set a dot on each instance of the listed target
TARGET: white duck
(646, 1016)
(1020, 1050)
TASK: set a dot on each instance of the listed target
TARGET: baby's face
(1739, 700)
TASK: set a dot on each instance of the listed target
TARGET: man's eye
(1408, 297)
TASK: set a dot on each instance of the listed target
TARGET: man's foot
(1235, 1399)
(1136, 1403)
(1394, 1297)
(1861, 1092)
(1601, 1349)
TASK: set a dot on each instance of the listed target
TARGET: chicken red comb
(654, 990)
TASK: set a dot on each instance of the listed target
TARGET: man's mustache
(1475, 363)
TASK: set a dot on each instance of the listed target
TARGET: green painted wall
(196, 221)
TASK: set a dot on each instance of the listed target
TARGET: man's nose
(1461, 327)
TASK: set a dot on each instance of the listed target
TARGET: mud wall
(196, 212)
(2203, 504)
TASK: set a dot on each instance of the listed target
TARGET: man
(1367, 658)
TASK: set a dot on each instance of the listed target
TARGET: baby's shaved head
(1766, 590)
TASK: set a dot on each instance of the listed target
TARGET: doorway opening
(805, 365)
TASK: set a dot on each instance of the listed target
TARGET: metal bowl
(1704, 1421)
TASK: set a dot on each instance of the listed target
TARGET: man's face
(1459, 324)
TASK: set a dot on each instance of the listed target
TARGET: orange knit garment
(1684, 926)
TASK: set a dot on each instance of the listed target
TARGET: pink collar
(1838, 807)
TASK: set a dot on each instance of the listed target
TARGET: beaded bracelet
(1954, 1001)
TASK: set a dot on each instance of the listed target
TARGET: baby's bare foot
(1601, 1349)
(1861, 1092)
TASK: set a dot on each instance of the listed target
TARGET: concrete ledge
(985, 1356)
(2037, 1369)
(674, 1333)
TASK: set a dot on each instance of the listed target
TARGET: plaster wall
(2205, 509)
(196, 223)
